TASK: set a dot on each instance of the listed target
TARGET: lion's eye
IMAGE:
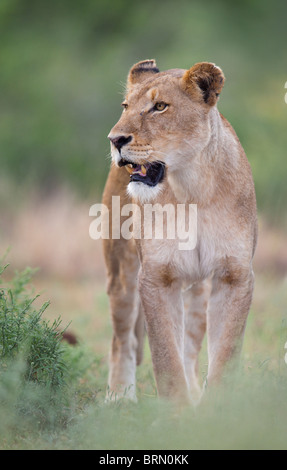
(125, 105)
(160, 106)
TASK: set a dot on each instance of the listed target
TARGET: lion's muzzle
(150, 173)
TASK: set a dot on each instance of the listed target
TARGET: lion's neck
(199, 181)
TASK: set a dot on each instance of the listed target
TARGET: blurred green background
(64, 63)
(63, 66)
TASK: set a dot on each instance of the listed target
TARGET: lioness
(178, 149)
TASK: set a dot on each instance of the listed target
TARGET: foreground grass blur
(248, 412)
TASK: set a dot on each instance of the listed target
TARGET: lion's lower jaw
(142, 193)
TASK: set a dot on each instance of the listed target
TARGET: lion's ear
(141, 71)
(204, 81)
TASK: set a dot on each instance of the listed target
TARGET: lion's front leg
(163, 308)
(227, 314)
(128, 329)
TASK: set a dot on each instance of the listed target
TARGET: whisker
(108, 156)
(162, 153)
(124, 88)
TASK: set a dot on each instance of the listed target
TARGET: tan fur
(205, 165)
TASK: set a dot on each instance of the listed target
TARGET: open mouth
(149, 173)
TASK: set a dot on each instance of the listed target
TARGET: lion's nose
(120, 141)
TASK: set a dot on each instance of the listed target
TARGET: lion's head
(165, 122)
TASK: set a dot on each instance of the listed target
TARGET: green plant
(34, 364)
(24, 333)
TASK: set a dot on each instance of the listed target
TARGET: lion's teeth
(132, 168)
(129, 169)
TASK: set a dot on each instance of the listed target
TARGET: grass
(248, 412)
